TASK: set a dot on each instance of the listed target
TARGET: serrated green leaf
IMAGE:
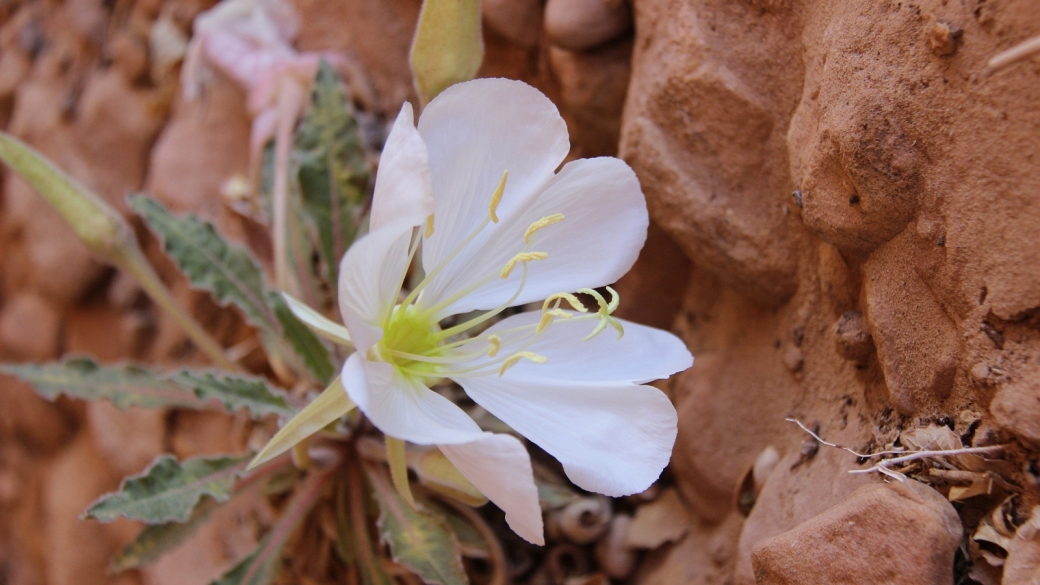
(261, 566)
(331, 169)
(233, 276)
(157, 540)
(236, 391)
(169, 490)
(418, 539)
(122, 384)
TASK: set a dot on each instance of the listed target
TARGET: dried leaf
(437, 473)
(662, 520)
(419, 540)
(1022, 566)
(168, 490)
(124, 385)
(233, 276)
(931, 438)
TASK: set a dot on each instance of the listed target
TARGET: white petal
(317, 322)
(370, 278)
(612, 438)
(403, 190)
(476, 130)
(641, 355)
(603, 230)
(500, 467)
(402, 407)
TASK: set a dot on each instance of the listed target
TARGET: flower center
(408, 335)
(415, 344)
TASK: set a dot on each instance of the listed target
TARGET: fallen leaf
(663, 520)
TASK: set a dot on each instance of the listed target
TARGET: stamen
(496, 344)
(605, 311)
(497, 197)
(429, 226)
(545, 221)
(573, 300)
(516, 357)
(524, 257)
(547, 318)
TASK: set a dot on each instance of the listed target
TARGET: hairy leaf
(418, 539)
(233, 276)
(236, 391)
(169, 490)
(124, 385)
(155, 541)
(261, 566)
(331, 169)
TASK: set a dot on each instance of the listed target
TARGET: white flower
(476, 184)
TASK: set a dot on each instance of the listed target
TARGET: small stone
(794, 359)
(1017, 406)
(851, 338)
(943, 38)
(898, 533)
(580, 25)
(519, 21)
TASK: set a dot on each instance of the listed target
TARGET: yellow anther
(516, 357)
(521, 257)
(573, 300)
(545, 221)
(496, 344)
(429, 226)
(547, 318)
(497, 197)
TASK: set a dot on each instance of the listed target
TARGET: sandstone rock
(851, 338)
(917, 344)
(79, 551)
(652, 291)
(1017, 404)
(519, 21)
(30, 328)
(43, 426)
(377, 34)
(204, 144)
(895, 533)
(579, 25)
(592, 88)
(129, 439)
(795, 492)
(705, 134)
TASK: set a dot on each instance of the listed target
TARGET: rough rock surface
(895, 533)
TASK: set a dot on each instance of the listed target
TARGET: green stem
(133, 261)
